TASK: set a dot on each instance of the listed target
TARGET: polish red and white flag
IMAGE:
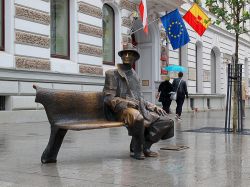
(144, 15)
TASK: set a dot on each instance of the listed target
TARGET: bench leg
(55, 141)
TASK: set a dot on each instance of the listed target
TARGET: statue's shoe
(137, 156)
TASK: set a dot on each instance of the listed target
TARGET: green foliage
(231, 12)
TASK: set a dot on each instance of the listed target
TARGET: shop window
(1, 25)
(208, 104)
(2, 102)
(108, 25)
(192, 103)
(60, 29)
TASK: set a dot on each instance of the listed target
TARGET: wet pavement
(101, 157)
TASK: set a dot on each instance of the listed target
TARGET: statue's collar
(123, 69)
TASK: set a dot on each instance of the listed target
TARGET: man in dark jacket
(164, 91)
(180, 86)
(146, 122)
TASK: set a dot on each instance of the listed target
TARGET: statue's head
(129, 55)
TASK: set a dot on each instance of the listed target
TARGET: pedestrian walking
(180, 87)
(164, 94)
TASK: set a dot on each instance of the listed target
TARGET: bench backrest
(63, 106)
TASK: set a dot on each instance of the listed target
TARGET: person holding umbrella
(180, 87)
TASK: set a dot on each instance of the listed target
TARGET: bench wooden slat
(95, 124)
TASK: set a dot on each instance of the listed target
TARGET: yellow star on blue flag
(175, 29)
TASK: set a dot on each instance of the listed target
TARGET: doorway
(148, 67)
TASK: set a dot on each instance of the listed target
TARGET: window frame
(106, 62)
(68, 38)
(2, 46)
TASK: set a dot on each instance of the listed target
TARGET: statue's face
(128, 57)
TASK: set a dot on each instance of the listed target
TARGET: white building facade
(69, 44)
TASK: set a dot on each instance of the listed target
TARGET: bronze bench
(70, 110)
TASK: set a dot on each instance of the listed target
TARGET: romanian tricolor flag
(197, 19)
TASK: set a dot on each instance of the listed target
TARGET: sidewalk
(101, 157)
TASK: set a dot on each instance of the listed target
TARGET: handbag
(173, 95)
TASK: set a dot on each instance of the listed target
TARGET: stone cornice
(125, 4)
(90, 10)
(32, 15)
(90, 50)
(32, 39)
(163, 34)
(87, 69)
(32, 63)
(90, 30)
(50, 77)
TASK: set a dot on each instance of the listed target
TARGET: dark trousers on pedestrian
(179, 102)
(166, 105)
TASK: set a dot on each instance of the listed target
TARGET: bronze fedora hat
(130, 48)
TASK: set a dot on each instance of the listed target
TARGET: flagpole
(142, 27)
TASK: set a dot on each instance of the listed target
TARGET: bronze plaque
(145, 82)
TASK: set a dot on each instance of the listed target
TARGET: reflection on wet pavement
(101, 157)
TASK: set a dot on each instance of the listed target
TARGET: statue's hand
(132, 104)
(160, 111)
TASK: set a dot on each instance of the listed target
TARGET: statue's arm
(154, 108)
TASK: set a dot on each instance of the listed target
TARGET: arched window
(213, 72)
(246, 69)
(108, 25)
(199, 63)
(60, 45)
(1, 25)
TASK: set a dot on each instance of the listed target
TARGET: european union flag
(175, 29)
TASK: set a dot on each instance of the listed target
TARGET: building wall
(26, 59)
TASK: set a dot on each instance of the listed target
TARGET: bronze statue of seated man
(146, 122)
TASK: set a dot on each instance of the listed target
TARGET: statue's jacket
(120, 90)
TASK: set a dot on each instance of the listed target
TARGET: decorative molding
(32, 39)
(90, 50)
(94, 70)
(32, 15)
(126, 38)
(90, 30)
(163, 34)
(126, 22)
(90, 10)
(125, 4)
(32, 63)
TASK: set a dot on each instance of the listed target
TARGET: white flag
(144, 15)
